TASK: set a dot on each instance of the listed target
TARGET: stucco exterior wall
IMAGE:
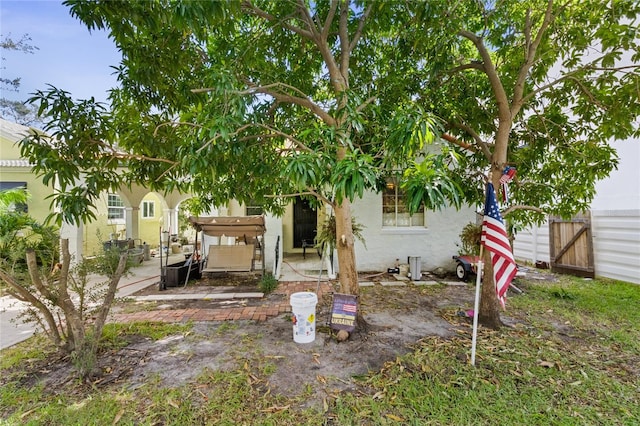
(435, 243)
(13, 168)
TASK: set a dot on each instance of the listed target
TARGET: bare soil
(397, 317)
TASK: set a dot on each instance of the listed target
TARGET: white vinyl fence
(616, 244)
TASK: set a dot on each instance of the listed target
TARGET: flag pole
(476, 307)
(476, 304)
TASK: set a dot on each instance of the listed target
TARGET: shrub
(268, 283)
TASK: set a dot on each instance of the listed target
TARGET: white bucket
(303, 307)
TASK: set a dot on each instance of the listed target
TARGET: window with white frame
(115, 207)
(148, 209)
(253, 208)
(395, 212)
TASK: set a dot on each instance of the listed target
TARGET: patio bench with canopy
(241, 257)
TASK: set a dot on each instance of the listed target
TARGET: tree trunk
(489, 313)
(348, 273)
(49, 325)
(101, 318)
(75, 323)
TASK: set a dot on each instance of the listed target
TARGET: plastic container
(415, 268)
(303, 307)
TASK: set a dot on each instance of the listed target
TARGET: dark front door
(305, 222)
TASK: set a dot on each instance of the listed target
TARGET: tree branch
(511, 209)
(586, 91)
(252, 88)
(452, 139)
(358, 34)
(481, 144)
(287, 136)
(254, 10)
(471, 65)
(101, 317)
(306, 17)
(363, 105)
(303, 102)
(329, 19)
(345, 52)
(490, 70)
(25, 295)
(530, 56)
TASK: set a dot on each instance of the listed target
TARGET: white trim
(404, 230)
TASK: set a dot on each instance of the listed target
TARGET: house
(134, 213)
(614, 220)
(390, 234)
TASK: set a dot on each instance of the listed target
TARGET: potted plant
(469, 250)
(326, 240)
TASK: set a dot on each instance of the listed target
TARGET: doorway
(305, 222)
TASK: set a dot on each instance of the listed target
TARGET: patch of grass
(518, 379)
(226, 327)
(18, 399)
(606, 307)
(114, 335)
(267, 283)
(587, 373)
(36, 348)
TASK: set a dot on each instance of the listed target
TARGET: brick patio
(268, 309)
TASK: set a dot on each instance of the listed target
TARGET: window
(17, 207)
(253, 209)
(148, 209)
(115, 206)
(395, 212)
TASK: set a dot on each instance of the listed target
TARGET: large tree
(540, 85)
(252, 101)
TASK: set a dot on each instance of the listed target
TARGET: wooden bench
(237, 258)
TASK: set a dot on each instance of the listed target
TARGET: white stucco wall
(435, 243)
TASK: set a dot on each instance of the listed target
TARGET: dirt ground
(398, 316)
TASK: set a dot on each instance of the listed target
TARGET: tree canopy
(543, 86)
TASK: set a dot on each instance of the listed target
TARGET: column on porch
(132, 222)
(74, 234)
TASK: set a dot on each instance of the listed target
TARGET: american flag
(349, 308)
(494, 238)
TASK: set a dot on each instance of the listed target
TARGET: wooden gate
(571, 245)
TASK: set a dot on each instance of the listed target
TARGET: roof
(230, 226)
(15, 163)
(13, 131)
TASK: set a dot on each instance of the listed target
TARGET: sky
(69, 57)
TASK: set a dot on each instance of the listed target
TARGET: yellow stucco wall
(15, 169)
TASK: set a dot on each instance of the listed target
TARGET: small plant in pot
(326, 236)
